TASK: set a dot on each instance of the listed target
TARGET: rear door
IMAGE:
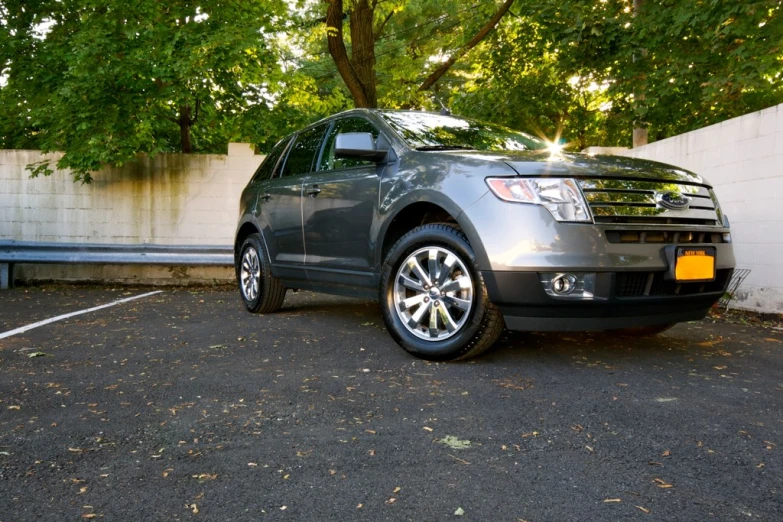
(280, 203)
(339, 204)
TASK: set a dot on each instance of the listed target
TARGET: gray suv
(460, 228)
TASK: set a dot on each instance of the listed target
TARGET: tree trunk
(640, 134)
(363, 49)
(184, 129)
(362, 69)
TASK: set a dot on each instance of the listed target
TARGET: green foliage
(110, 80)
(103, 80)
(594, 70)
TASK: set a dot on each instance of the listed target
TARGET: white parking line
(72, 314)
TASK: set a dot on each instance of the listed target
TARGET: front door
(339, 206)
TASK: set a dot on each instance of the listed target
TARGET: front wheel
(433, 298)
(261, 292)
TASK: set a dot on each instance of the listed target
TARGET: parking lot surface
(181, 405)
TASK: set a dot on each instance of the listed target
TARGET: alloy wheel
(433, 293)
(250, 274)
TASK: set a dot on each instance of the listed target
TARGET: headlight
(561, 196)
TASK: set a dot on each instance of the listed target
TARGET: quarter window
(304, 151)
(267, 167)
(328, 161)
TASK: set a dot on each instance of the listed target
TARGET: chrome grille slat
(622, 201)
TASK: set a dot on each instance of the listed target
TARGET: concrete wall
(169, 199)
(743, 159)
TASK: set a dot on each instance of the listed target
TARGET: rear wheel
(433, 297)
(261, 292)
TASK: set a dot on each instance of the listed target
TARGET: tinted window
(328, 161)
(428, 131)
(300, 159)
(267, 168)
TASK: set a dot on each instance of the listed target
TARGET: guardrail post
(6, 276)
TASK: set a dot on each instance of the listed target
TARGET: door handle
(266, 197)
(313, 191)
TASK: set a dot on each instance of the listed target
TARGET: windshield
(428, 131)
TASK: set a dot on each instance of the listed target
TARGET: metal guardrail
(18, 252)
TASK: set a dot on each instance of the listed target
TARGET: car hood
(543, 163)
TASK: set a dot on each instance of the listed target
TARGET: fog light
(564, 284)
(568, 286)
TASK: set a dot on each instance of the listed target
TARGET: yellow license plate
(695, 264)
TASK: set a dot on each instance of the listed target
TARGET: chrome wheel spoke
(410, 302)
(445, 270)
(432, 264)
(416, 268)
(434, 321)
(418, 316)
(409, 283)
(448, 321)
(456, 302)
(461, 283)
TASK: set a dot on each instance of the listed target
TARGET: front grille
(637, 202)
(653, 284)
(664, 236)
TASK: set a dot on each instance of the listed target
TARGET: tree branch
(381, 26)
(462, 51)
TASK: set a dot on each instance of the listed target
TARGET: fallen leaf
(773, 340)
(14, 407)
(391, 500)
(427, 428)
(397, 490)
(459, 512)
(37, 354)
(89, 515)
(454, 442)
(666, 453)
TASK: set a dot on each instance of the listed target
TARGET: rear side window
(303, 152)
(267, 168)
(328, 161)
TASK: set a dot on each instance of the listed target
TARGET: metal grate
(737, 278)
(654, 284)
(664, 236)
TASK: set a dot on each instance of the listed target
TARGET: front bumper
(525, 305)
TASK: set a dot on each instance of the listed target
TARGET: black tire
(260, 290)
(478, 327)
(642, 331)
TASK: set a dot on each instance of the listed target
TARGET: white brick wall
(172, 199)
(743, 159)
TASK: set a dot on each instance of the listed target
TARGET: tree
(105, 81)
(368, 20)
(574, 65)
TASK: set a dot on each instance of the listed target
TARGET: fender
(399, 204)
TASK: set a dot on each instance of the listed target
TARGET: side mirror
(358, 145)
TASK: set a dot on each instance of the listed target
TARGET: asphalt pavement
(183, 406)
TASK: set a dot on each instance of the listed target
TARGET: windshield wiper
(446, 147)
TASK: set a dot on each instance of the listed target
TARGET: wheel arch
(414, 213)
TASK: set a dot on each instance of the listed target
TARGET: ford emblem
(674, 200)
